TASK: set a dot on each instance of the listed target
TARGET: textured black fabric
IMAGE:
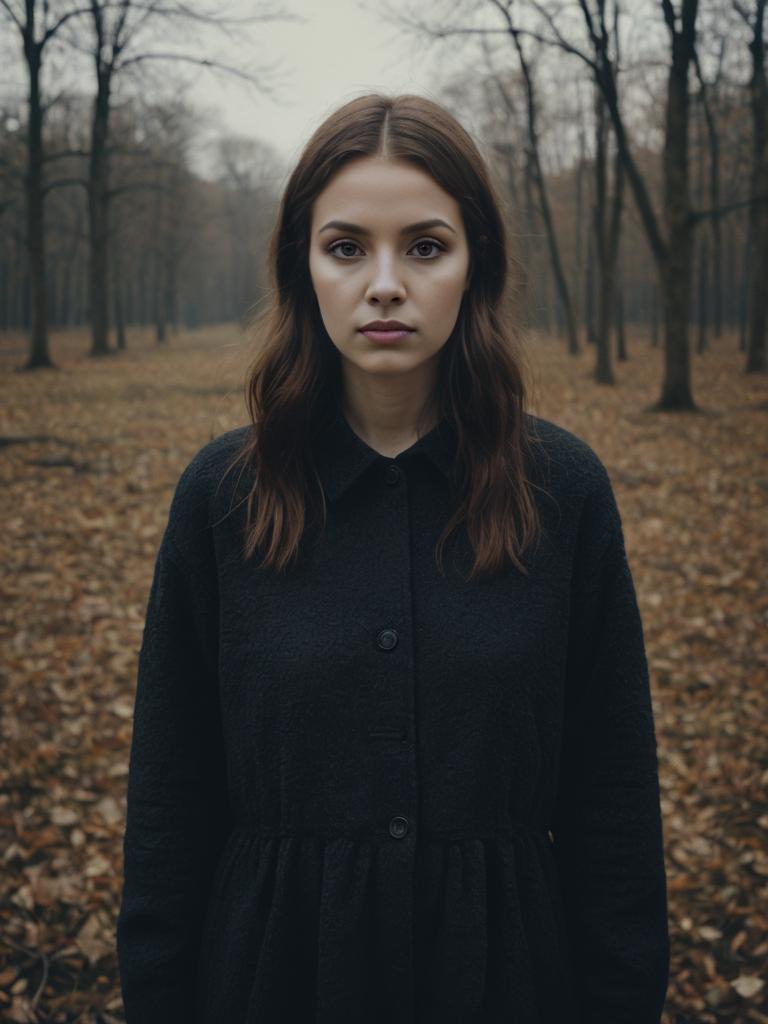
(362, 792)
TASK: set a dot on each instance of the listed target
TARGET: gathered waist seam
(436, 835)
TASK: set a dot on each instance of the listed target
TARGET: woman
(393, 755)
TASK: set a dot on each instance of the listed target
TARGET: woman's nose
(386, 280)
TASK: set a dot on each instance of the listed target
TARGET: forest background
(629, 143)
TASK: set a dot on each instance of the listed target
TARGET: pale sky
(339, 51)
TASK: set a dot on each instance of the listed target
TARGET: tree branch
(721, 211)
(559, 39)
(12, 15)
(67, 16)
(203, 62)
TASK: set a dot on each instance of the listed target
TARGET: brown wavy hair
(295, 376)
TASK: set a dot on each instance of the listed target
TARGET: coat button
(392, 473)
(398, 827)
(387, 639)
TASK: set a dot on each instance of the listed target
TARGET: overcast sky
(338, 51)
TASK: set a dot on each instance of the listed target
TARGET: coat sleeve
(177, 808)
(608, 838)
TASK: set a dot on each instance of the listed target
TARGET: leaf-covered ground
(89, 456)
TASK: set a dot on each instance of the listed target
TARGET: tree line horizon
(637, 194)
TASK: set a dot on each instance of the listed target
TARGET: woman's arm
(177, 814)
(608, 828)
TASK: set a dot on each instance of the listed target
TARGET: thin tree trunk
(603, 367)
(746, 264)
(66, 294)
(579, 261)
(702, 260)
(158, 276)
(621, 336)
(39, 354)
(117, 290)
(757, 361)
(98, 209)
(607, 234)
(714, 200)
(589, 291)
(734, 256)
(545, 301)
(161, 335)
(546, 213)
(532, 246)
(704, 293)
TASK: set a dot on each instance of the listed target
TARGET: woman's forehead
(376, 194)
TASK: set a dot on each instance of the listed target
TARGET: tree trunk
(714, 201)
(746, 264)
(734, 255)
(117, 290)
(676, 389)
(171, 279)
(531, 247)
(158, 277)
(603, 367)
(545, 304)
(654, 316)
(621, 336)
(717, 270)
(607, 235)
(589, 291)
(98, 211)
(579, 261)
(546, 213)
(758, 221)
(144, 317)
(39, 355)
(704, 293)
(160, 306)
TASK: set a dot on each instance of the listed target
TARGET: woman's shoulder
(213, 456)
(565, 460)
(578, 479)
(205, 488)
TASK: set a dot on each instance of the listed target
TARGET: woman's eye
(431, 242)
(336, 245)
(422, 242)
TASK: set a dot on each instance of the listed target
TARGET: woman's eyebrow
(422, 225)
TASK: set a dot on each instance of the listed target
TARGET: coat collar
(343, 456)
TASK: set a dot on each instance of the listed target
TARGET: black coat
(363, 793)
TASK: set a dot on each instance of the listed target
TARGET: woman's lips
(387, 335)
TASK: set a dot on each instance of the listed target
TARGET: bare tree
(670, 240)
(540, 185)
(37, 23)
(125, 34)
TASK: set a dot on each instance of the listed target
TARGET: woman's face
(376, 265)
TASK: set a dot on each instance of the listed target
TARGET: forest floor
(89, 456)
